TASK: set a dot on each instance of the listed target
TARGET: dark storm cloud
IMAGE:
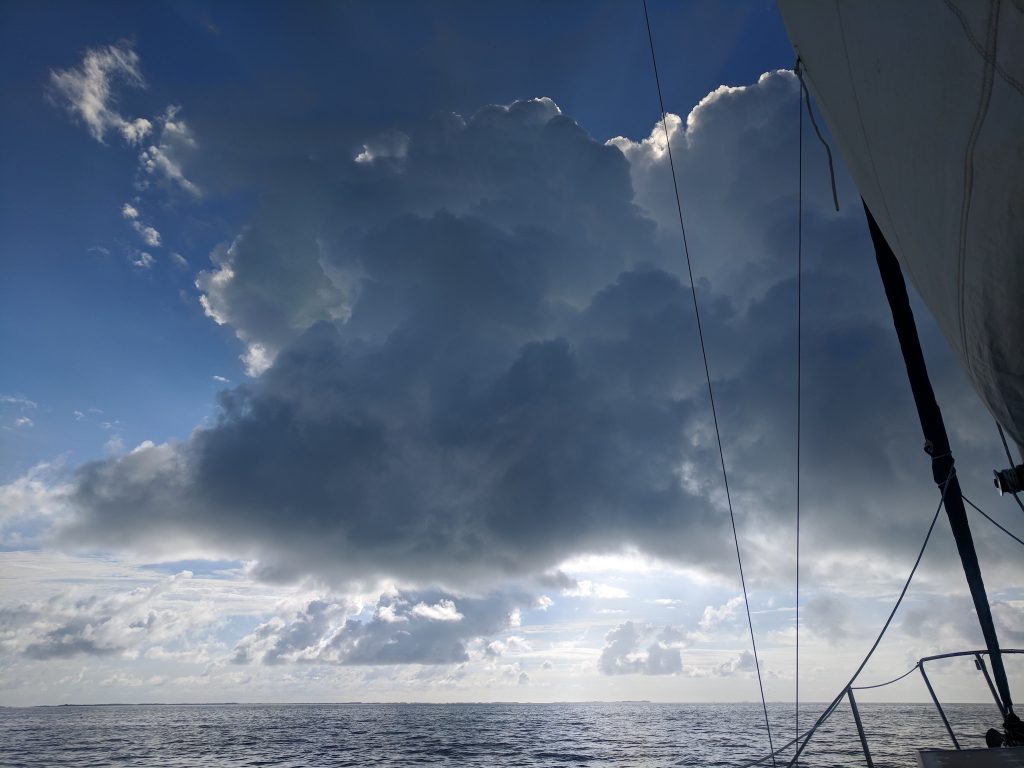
(504, 390)
(405, 628)
(480, 359)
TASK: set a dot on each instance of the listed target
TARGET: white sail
(925, 100)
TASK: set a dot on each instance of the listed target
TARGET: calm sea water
(623, 734)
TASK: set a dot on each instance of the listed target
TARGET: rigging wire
(780, 750)
(707, 373)
(997, 525)
(1006, 448)
(887, 682)
(799, 377)
(885, 627)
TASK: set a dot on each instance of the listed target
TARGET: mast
(937, 446)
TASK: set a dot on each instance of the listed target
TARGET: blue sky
(349, 348)
(136, 346)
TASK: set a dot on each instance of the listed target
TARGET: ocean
(597, 734)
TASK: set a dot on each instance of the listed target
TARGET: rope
(707, 373)
(888, 682)
(825, 715)
(806, 734)
(780, 750)
(1006, 448)
(799, 382)
(997, 525)
(798, 69)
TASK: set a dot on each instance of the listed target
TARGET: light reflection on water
(621, 734)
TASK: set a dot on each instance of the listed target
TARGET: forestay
(925, 100)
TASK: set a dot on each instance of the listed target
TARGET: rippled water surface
(625, 734)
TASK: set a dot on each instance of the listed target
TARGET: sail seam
(988, 78)
(1010, 80)
(863, 128)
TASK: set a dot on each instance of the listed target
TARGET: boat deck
(971, 758)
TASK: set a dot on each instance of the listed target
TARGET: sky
(350, 355)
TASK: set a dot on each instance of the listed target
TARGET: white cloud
(129, 211)
(725, 614)
(257, 359)
(159, 160)
(148, 234)
(78, 624)
(164, 158)
(221, 379)
(87, 91)
(251, 305)
(388, 614)
(143, 260)
(327, 630)
(17, 400)
(178, 260)
(23, 422)
(39, 494)
(587, 588)
(624, 654)
(742, 662)
(445, 610)
(390, 145)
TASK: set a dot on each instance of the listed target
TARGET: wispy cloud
(17, 400)
(143, 260)
(148, 234)
(86, 91)
(163, 158)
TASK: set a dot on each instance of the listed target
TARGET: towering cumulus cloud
(476, 356)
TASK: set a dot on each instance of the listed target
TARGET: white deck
(971, 758)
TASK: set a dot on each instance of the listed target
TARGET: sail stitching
(968, 191)
(863, 128)
(707, 373)
(1010, 80)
